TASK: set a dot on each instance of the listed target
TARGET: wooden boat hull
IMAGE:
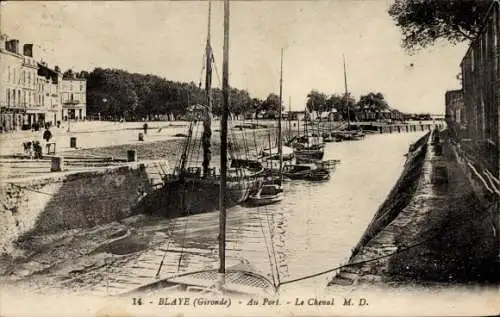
(309, 154)
(237, 282)
(319, 176)
(196, 195)
(264, 200)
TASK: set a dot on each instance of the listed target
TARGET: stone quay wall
(63, 201)
(433, 227)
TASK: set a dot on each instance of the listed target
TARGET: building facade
(455, 111)
(481, 91)
(73, 98)
(12, 66)
(31, 91)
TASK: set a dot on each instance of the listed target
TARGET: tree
(423, 22)
(272, 103)
(316, 101)
(373, 101)
(335, 101)
(137, 95)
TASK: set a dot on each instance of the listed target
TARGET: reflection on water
(312, 230)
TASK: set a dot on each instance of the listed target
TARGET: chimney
(28, 50)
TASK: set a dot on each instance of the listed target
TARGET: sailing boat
(272, 193)
(238, 279)
(349, 134)
(309, 148)
(195, 189)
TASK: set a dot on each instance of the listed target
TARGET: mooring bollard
(132, 155)
(72, 142)
(57, 164)
(141, 136)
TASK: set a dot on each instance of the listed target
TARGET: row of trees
(346, 105)
(118, 93)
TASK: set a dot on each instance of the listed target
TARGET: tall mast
(223, 148)
(345, 95)
(290, 118)
(280, 147)
(207, 122)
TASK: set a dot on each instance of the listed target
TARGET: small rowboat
(268, 194)
(307, 172)
(319, 175)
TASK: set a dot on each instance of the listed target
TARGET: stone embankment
(63, 201)
(432, 228)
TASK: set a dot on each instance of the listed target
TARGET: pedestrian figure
(37, 149)
(47, 135)
(145, 127)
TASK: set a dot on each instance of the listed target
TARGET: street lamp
(104, 100)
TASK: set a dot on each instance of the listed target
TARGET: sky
(167, 38)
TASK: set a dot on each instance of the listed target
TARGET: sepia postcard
(250, 158)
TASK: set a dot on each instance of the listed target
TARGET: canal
(312, 230)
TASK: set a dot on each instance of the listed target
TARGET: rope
(163, 259)
(268, 253)
(203, 67)
(217, 74)
(272, 248)
(187, 208)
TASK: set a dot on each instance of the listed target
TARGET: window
(18, 97)
(9, 70)
(8, 97)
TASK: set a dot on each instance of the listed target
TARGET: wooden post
(57, 164)
(132, 156)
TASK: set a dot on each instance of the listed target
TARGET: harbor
(135, 246)
(142, 177)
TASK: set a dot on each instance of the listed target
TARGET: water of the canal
(313, 229)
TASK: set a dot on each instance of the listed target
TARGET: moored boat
(309, 171)
(309, 148)
(221, 281)
(268, 194)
